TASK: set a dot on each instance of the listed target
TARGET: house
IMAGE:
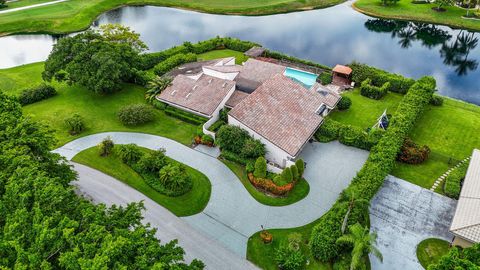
(264, 99)
(283, 115)
(466, 221)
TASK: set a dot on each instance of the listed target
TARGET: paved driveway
(404, 214)
(232, 215)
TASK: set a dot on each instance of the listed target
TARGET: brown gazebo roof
(255, 51)
(342, 70)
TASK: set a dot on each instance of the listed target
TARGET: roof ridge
(465, 227)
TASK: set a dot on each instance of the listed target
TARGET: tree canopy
(99, 60)
(45, 225)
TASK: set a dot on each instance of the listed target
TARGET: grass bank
(190, 203)
(75, 15)
(406, 10)
(99, 111)
(298, 193)
(429, 251)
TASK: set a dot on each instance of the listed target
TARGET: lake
(336, 35)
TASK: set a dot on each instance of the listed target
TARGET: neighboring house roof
(202, 95)
(342, 69)
(236, 98)
(466, 222)
(329, 96)
(255, 51)
(255, 72)
(281, 111)
(226, 69)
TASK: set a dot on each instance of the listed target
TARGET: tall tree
(363, 243)
(156, 86)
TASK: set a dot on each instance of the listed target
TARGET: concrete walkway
(404, 214)
(32, 6)
(232, 215)
(102, 188)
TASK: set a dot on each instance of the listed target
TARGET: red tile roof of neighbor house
(342, 69)
(202, 95)
(236, 98)
(281, 111)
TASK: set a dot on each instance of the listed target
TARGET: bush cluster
(136, 114)
(348, 135)
(325, 78)
(35, 94)
(412, 153)
(185, 116)
(344, 103)
(129, 153)
(237, 141)
(172, 62)
(105, 148)
(436, 100)
(289, 255)
(374, 92)
(370, 178)
(453, 182)
(75, 124)
(217, 125)
(399, 84)
(142, 77)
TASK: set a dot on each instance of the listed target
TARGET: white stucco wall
(274, 153)
(226, 76)
(216, 114)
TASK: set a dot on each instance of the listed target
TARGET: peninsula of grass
(76, 15)
(406, 10)
(190, 203)
(98, 111)
(299, 192)
(215, 54)
(429, 251)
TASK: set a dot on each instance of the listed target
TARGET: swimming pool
(307, 79)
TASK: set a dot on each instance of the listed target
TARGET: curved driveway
(232, 215)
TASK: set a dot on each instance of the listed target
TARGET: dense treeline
(370, 178)
(45, 225)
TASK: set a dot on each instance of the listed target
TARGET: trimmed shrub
(136, 114)
(216, 126)
(105, 148)
(260, 168)
(453, 181)
(325, 78)
(328, 131)
(300, 164)
(436, 100)
(75, 124)
(185, 116)
(399, 84)
(129, 153)
(152, 162)
(250, 167)
(35, 94)
(224, 114)
(370, 178)
(232, 138)
(371, 91)
(207, 139)
(174, 180)
(344, 103)
(252, 148)
(231, 156)
(412, 153)
(172, 62)
(295, 174)
(287, 175)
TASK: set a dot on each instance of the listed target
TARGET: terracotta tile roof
(342, 69)
(202, 95)
(466, 222)
(256, 72)
(226, 69)
(255, 51)
(236, 98)
(329, 97)
(281, 111)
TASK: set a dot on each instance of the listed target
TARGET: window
(321, 109)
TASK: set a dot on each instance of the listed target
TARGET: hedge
(370, 178)
(173, 61)
(372, 91)
(453, 182)
(361, 72)
(348, 135)
(185, 116)
(35, 94)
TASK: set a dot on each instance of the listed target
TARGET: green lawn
(405, 10)
(98, 111)
(191, 203)
(239, 56)
(364, 111)
(23, 3)
(75, 15)
(430, 251)
(299, 192)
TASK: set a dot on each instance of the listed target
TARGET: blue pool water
(307, 79)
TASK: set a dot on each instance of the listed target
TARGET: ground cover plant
(429, 251)
(454, 180)
(78, 14)
(46, 225)
(115, 165)
(458, 258)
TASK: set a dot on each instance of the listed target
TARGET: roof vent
(224, 84)
(195, 87)
(188, 95)
(210, 81)
(173, 92)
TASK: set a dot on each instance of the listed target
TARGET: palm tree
(363, 243)
(347, 198)
(156, 86)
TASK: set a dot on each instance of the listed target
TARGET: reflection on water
(454, 50)
(329, 36)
